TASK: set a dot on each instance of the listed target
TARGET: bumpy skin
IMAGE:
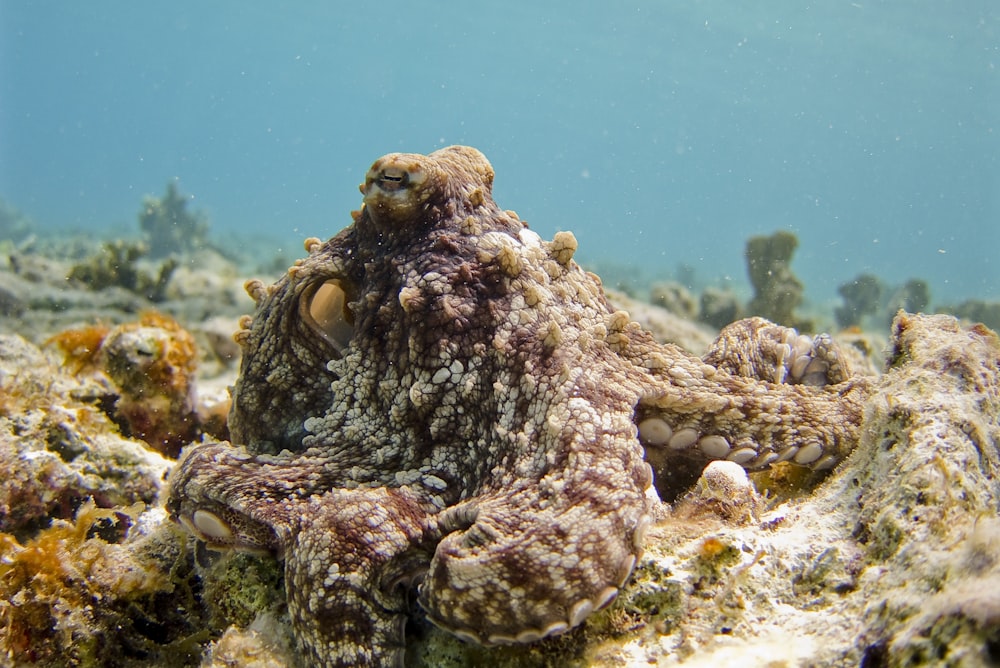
(436, 397)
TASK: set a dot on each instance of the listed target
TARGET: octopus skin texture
(437, 400)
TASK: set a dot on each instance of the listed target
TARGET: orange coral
(177, 366)
(81, 347)
(152, 363)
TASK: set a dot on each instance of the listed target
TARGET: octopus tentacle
(504, 573)
(756, 348)
(350, 555)
(354, 559)
(506, 579)
(812, 428)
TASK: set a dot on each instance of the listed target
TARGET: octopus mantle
(438, 399)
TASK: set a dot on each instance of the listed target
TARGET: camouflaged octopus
(437, 399)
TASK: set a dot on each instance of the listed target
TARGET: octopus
(438, 412)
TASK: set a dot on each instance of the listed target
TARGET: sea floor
(892, 559)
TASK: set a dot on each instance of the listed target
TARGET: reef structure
(891, 560)
(151, 364)
(777, 291)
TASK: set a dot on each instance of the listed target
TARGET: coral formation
(86, 577)
(913, 296)
(976, 310)
(110, 282)
(57, 446)
(116, 265)
(240, 587)
(264, 644)
(867, 297)
(723, 489)
(862, 296)
(675, 298)
(934, 432)
(777, 291)
(152, 364)
(48, 586)
(81, 347)
(168, 226)
(106, 589)
(718, 307)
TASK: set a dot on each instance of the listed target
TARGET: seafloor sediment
(892, 559)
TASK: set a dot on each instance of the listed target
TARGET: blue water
(661, 133)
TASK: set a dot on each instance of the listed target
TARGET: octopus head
(405, 189)
(397, 189)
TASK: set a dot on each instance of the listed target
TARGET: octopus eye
(392, 179)
(396, 187)
(324, 308)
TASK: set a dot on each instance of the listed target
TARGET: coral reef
(48, 587)
(109, 588)
(777, 291)
(862, 296)
(718, 307)
(891, 560)
(888, 559)
(239, 587)
(913, 296)
(116, 265)
(868, 299)
(675, 298)
(57, 446)
(928, 539)
(267, 643)
(38, 301)
(87, 577)
(169, 227)
(152, 365)
(81, 347)
(976, 310)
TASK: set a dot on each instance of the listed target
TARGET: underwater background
(715, 161)
(662, 134)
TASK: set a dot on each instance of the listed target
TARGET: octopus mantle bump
(438, 399)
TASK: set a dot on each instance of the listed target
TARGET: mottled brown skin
(456, 410)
